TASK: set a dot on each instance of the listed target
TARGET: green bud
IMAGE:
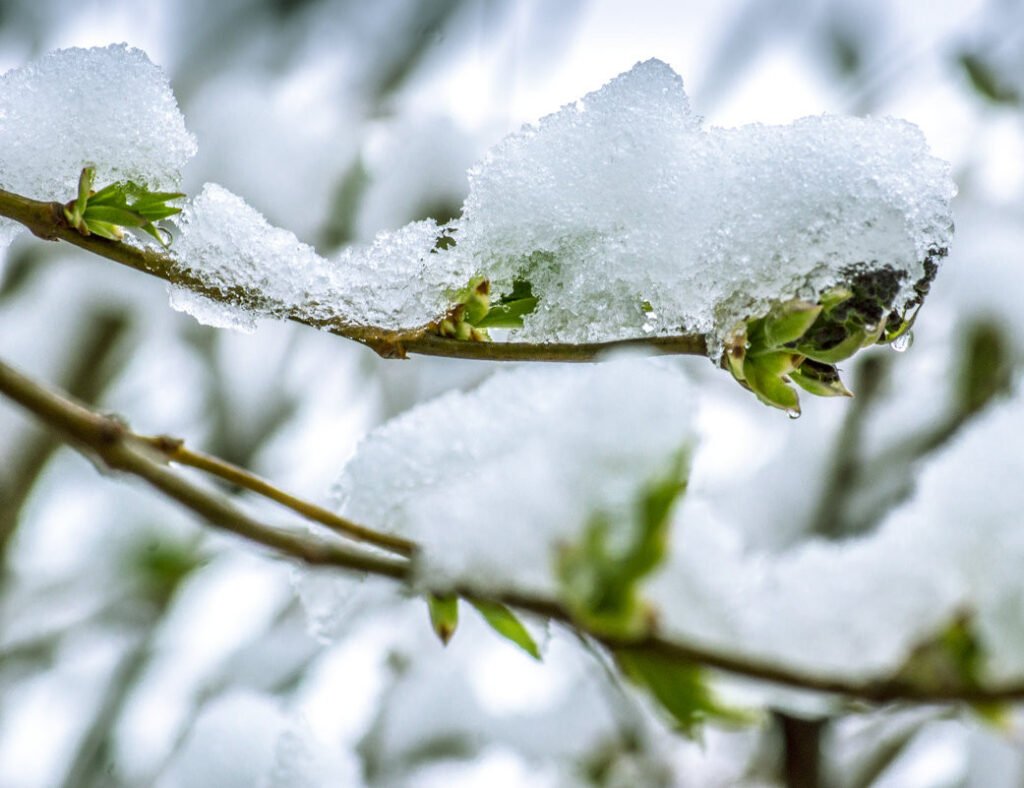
(444, 615)
(474, 310)
(74, 210)
(478, 302)
(800, 342)
(736, 351)
(507, 624)
(85, 180)
(107, 212)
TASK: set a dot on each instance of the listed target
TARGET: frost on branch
(110, 107)
(621, 216)
(629, 218)
(232, 248)
(497, 483)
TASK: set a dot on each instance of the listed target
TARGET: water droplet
(793, 413)
(902, 342)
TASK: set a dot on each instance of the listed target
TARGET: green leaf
(952, 660)
(600, 575)
(764, 375)
(789, 322)
(110, 195)
(144, 199)
(986, 82)
(834, 296)
(155, 214)
(504, 622)
(509, 310)
(509, 314)
(819, 379)
(162, 236)
(444, 615)
(679, 687)
(113, 215)
(853, 342)
(776, 362)
(161, 567)
(103, 229)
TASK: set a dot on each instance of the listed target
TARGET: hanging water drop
(902, 342)
(793, 413)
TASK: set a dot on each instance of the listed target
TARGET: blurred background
(137, 649)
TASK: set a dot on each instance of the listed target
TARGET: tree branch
(109, 440)
(112, 444)
(46, 220)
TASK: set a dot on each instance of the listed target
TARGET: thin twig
(46, 220)
(93, 751)
(175, 450)
(108, 440)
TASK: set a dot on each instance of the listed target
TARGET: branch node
(168, 445)
(386, 347)
(111, 430)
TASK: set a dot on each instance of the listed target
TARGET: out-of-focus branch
(46, 220)
(88, 374)
(111, 443)
(844, 476)
(880, 483)
(93, 750)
